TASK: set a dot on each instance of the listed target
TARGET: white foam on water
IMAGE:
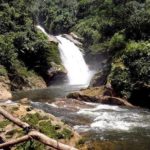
(115, 125)
(82, 128)
(105, 117)
(73, 60)
(52, 104)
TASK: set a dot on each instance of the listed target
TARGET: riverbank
(39, 120)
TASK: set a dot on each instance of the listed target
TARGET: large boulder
(99, 95)
(113, 101)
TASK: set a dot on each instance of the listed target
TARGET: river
(104, 127)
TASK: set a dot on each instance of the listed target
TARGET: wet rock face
(100, 78)
(5, 93)
(56, 69)
(56, 73)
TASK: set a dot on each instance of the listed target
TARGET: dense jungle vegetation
(116, 29)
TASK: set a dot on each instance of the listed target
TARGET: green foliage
(121, 81)
(3, 71)
(105, 23)
(87, 29)
(22, 46)
(67, 134)
(99, 48)
(139, 21)
(135, 76)
(115, 29)
(33, 119)
(47, 128)
(117, 42)
(53, 131)
(137, 59)
(58, 16)
(33, 145)
(4, 123)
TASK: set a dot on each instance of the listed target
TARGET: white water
(105, 117)
(43, 30)
(72, 59)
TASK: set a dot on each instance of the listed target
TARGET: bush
(88, 30)
(134, 79)
(121, 82)
(3, 71)
(117, 42)
(138, 22)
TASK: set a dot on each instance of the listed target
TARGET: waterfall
(73, 60)
(43, 30)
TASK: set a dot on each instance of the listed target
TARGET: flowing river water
(104, 127)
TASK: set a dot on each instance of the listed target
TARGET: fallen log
(15, 141)
(13, 119)
(39, 137)
(32, 134)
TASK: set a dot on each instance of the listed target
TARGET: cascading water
(42, 29)
(72, 59)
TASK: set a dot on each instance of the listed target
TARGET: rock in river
(97, 95)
